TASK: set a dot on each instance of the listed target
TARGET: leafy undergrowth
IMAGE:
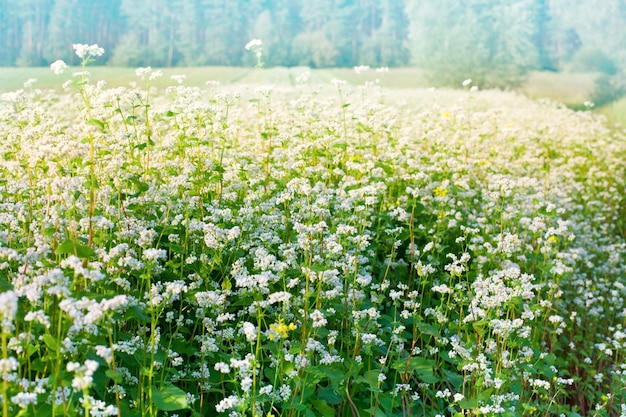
(308, 251)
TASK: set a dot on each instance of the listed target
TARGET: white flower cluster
(84, 51)
(83, 374)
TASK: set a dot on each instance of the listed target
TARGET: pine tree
(151, 35)
(9, 39)
(490, 42)
(391, 37)
(31, 22)
(76, 21)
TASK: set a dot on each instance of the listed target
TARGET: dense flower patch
(308, 251)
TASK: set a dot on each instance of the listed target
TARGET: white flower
(142, 72)
(278, 297)
(85, 51)
(254, 43)
(267, 389)
(443, 394)
(8, 306)
(155, 74)
(8, 365)
(38, 316)
(246, 384)
(361, 68)
(29, 83)
(152, 254)
(222, 367)
(105, 353)
(72, 366)
(91, 366)
(24, 399)
(228, 403)
(443, 289)
(249, 330)
(303, 78)
(179, 78)
(58, 67)
(318, 319)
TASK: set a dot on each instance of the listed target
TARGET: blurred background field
(571, 89)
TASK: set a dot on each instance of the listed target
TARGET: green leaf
(5, 285)
(176, 248)
(96, 122)
(169, 399)
(100, 383)
(371, 377)
(136, 312)
(481, 326)
(226, 284)
(377, 412)
(115, 376)
(455, 379)
(140, 186)
(323, 408)
(51, 342)
(468, 403)
(318, 267)
(70, 247)
(428, 329)
(83, 251)
(65, 248)
(422, 366)
(329, 395)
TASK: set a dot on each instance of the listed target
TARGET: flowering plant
(295, 252)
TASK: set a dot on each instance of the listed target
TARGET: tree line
(494, 41)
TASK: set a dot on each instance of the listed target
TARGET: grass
(563, 87)
(567, 88)
(572, 89)
(310, 249)
(13, 78)
(616, 113)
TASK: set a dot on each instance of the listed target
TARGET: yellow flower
(440, 192)
(280, 330)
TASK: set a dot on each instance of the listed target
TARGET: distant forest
(489, 39)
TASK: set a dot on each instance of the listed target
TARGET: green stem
(5, 383)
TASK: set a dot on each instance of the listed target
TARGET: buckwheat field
(308, 250)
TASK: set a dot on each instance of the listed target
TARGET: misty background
(494, 42)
